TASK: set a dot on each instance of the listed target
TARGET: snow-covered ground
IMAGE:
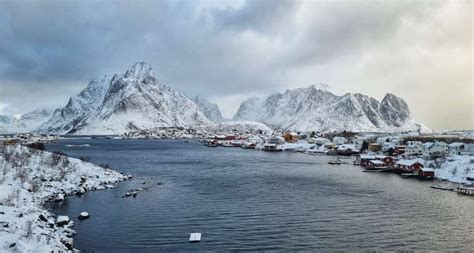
(28, 179)
(456, 169)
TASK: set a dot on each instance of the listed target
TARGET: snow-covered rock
(133, 101)
(83, 216)
(313, 109)
(62, 220)
(210, 110)
(29, 178)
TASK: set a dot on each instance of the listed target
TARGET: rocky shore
(28, 179)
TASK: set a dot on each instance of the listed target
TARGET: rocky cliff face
(210, 110)
(133, 101)
(313, 109)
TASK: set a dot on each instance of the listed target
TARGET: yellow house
(291, 137)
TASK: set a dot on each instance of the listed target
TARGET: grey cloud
(219, 52)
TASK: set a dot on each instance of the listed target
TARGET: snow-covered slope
(456, 169)
(78, 108)
(32, 120)
(313, 109)
(241, 126)
(210, 110)
(7, 123)
(133, 101)
(26, 123)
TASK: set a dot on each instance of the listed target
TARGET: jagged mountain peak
(132, 101)
(140, 70)
(311, 108)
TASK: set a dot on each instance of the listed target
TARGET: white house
(339, 140)
(435, 149)
(276, 140)
(456, 148)
(414, 148)
(318, 140)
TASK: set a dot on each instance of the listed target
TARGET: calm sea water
(252, 200)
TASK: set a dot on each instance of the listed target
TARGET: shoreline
(29, 180)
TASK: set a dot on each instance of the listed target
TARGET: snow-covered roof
(376, 162)
(381, 156)
(427, 169)
(428, 144)
(456, 144)
(408, 162)
(367, 157)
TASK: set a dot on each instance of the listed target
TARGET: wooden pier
(466, 190)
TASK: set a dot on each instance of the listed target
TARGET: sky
(229, 50)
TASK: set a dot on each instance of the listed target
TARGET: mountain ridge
(314, 109)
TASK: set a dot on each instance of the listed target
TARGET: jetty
(466, 190)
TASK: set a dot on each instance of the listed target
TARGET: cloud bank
(230, 50)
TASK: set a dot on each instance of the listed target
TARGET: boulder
(59, 198)
(42, 218)
(62, 220)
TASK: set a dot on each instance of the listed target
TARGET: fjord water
(252, 200)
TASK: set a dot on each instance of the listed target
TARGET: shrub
(36, 145)
(11, 199)
(85, 158)
(105, 166)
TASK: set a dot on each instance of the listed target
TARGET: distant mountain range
(136, 100)
(314, 109)
(26, 123)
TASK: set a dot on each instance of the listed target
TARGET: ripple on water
(250, 200)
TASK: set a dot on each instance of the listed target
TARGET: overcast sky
(227, 51)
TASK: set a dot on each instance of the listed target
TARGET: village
(446, 156)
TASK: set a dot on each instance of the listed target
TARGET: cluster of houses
(401, 153)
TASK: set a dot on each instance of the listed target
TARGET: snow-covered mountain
(26, 123)
(7, 123)
(210, 110)
(313, 109)
(133, 101)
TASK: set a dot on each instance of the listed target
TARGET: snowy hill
(241, 126)
(133, 101)
(210, 110)
(26, 123)
(313, 109)
(28, 179)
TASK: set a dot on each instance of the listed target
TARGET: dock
(195, 237)
(465, 190)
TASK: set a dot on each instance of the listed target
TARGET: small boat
(442, 188)
(227, 144)
(271, 147)
(211, 144)
(248, 145)
(335, 161)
